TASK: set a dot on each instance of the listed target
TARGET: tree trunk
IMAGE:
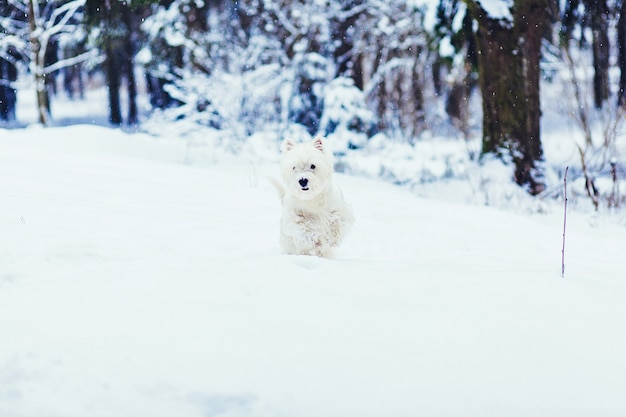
(112, 69)
(621, 41)
(343, 34)
(530, 20)
(600, 45)
(113, 81)
(500, 77)
(417, 97)
(508, 62)
(8, 95)
(38, 58)
(133, 114)
(129, 64)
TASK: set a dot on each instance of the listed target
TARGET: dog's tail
(279, 187)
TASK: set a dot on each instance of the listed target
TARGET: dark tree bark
(347, 59)
(456, 105)
(417, 94)
(129, 63)
(119, 24)
(530, 20)
(113, 82)
(569, 19)
(501, 84)
(508, 62)
(8, 95)
(112, 62)
(8, 73)
(599, 12)
(306, 107)
(621, 42)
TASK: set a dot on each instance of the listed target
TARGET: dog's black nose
(303, 182)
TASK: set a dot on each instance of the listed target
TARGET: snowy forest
(480, 144)
(364, 73)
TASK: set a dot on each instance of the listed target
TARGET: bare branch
(564, 222)
(582, 116)
(590, 185)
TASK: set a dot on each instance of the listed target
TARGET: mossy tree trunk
(508, 61)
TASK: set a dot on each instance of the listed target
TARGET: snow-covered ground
(135, 282)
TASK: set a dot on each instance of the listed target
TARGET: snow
(430, 11)
(495, 9)
(140, 273)
(445, 48)
(498, 9)
(138, 280)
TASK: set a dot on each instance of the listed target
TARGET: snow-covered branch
(20, 5)
(282, 18)
(68, 62)
(385, 69)
(347, 14)
(28, 31)
(56, 23)
(12, 42)
(63, 14)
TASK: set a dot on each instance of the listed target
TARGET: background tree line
(353, 68)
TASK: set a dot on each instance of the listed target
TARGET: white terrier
(315, 216)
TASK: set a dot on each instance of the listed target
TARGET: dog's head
(306, 168)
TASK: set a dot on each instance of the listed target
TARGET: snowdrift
(134, 284)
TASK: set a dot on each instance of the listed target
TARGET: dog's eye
(312, 166)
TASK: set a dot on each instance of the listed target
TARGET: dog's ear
(287, 145)
(319, 143)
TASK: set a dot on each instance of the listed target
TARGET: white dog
(315, 216)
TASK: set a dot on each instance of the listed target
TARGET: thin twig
(590, 186)
(564, 223)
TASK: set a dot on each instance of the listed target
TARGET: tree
(595, 16)
(8, 61)
(344, 29)
(45, 23)
(32, 29)
(599, 11)
(456, 61)
(8, 96)
(621, 41)
(391, 53)
(118, 25)
(509, 50)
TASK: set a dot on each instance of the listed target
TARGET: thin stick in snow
(564, 223)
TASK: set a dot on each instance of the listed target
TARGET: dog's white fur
(315, 215)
